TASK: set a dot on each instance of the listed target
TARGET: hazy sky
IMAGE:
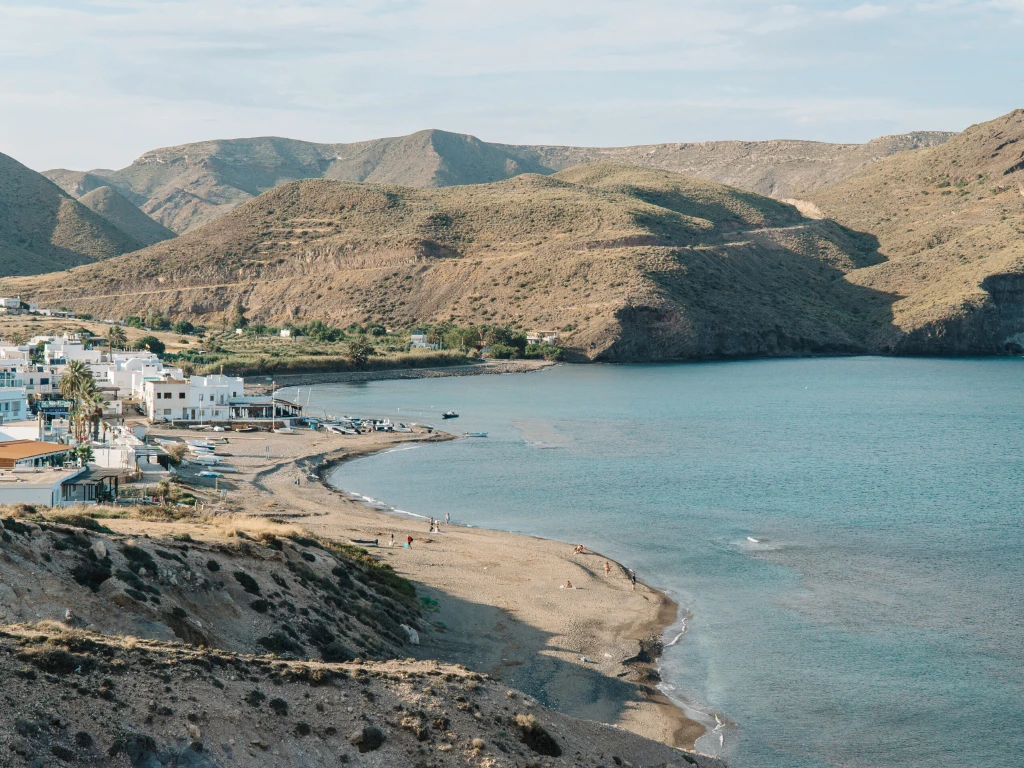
(95, 84)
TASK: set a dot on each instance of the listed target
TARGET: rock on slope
(190, 185)
(950, 221)
(112, 206)
(632, 263)
(43, 229)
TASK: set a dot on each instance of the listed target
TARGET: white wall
(21, 493)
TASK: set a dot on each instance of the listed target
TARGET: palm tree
(75, 385)
(92, 411)
(117, 338)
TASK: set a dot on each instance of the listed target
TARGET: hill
(109, 204)
(630, 263)
(950, 222)
(780, 169)
(43, 229)
(190, 185)
(181, 642)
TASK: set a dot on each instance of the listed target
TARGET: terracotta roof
(26, 449)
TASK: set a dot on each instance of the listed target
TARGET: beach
(498, 602)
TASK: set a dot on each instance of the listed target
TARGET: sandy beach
(499, 601)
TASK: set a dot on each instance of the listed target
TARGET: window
(167, 411)
(44, 382)
(181, 395)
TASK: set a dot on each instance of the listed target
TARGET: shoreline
(580, 651)
(491, 368)
(650, 649)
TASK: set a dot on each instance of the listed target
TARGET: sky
(94, 84)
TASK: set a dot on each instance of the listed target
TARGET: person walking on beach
(408, 542)
(392, 539)
(447, 518)
(607, 568)
(632, 576)
(431, 525)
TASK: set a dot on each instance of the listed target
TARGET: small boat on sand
(449, 415)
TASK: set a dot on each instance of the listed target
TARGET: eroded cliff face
(994, 326)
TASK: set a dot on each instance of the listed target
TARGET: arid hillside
(950, 222)
(202, 645)
(190, 185)
(113, 207)
(43, 229)
(629, 263)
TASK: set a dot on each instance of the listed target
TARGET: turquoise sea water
(879, 618)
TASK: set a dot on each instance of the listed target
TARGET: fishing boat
(285, 431)
(449, 415)
(474, 434)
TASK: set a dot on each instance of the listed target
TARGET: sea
(844, 536)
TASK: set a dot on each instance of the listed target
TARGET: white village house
(214, 399)
(419, 341)
(13, 404)
(543, 337)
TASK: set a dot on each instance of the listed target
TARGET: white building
(10, 305)
(13, 404)
(128, 372)
(41, 380)
(543, 337)
(29, 429)
(201, 398)
(419, 341)
(41, 487)
(11, 352)
(214, 399)
(65, 350)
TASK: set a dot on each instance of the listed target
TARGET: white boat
(207, 458)
(219, 429)
(209, 473)
(753, 540)
(285, 431)
(200, 427)
(474, 434)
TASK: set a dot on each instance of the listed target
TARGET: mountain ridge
(189, 185)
